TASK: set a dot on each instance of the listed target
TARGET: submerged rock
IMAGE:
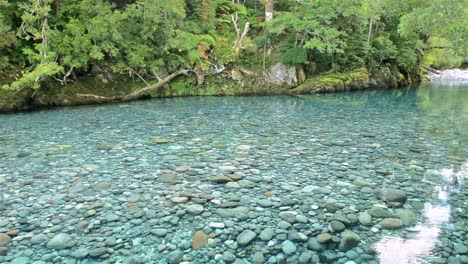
(245, 237)
(379, 212)
(59, 241)
(392, 195)
(349, 240)
(199, 240)
(4, 239)
(391, 223)
(288, 247)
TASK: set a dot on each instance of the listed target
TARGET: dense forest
(154, 41)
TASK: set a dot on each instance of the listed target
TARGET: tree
(7, 37)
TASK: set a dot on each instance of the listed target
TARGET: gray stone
(38, 239)
(59, 241)
(379, 212)
(365, 219)
(284, 225)
(328, 256)
(228, 169)
(229, 257)
(293, 235)
(258, 258)
(351, 254)
(305, 257)
(96, 252)
(133, 198)
(265, 203)
(232, 212)
(391, 223)
(349, 240)
(460, 248)
(289, 217)
(279, 74)
(221, 179)
(161, 232)
(175, 257)
(20, 260)
(288, 247)
(80, 253)
(267, 234)
(245, 237)
(407, 216)
(313, 244)
(195, 209)
(392, 195)
(337, 226)
(82, 227)
(112, 218)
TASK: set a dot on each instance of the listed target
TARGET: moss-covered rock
(335, 82)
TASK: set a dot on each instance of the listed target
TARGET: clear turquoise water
(317, 156)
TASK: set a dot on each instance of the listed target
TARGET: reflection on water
(396, 250)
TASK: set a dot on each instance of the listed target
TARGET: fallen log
(432, 70)
(138, 93)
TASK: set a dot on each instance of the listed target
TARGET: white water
(450, 75)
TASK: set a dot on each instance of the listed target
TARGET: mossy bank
(231, 82)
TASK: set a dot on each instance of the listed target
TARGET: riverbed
(359, 177)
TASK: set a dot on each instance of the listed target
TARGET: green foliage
(31, 79)
(7, 37)
(65, 39)
(295, 56)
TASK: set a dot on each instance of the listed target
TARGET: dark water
(132, 183)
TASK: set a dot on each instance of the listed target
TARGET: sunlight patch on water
(396, 250)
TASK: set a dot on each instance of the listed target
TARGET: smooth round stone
(59, 241)
(351, 254)
(288, 247)
(4, 239)
(179, 199)
(195, 209)
(460, 248)
(221, 179)
(267, 234)
(365, 219)
(20, 260)
(391, 223)
(337, 226)
(38, 239)
(289, 217)
(258, 258)
(349, 240)
(246, 237)
(175, 257)
(229, 257)
(324, 238)
(97, 252)
(217, 225)
(161, 232)
(199, 240)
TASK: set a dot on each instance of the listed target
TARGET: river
(359, 177)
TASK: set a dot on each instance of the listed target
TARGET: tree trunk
(268, 10)
(138, 93)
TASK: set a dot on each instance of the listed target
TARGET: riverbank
(234, 82)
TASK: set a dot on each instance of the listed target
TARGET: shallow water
(133, 183)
